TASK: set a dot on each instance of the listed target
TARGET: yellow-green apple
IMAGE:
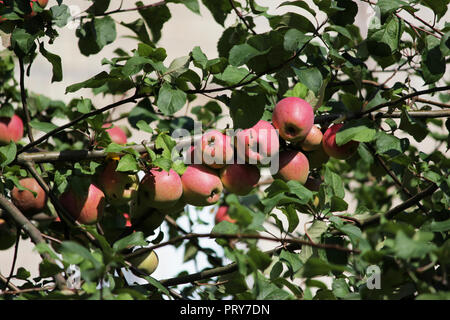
(215, 149)
(293, 117)
(293, 166)
(116, 134)
(11, 129)
(160, 189)
(222, 215)
(8, 235)
(332, 149)
(239, 179)
(146, 262)
(312, 140)
(86, 207)
(25, 200)
(258, 143)
(317, 157)
(201, 185)
(119, 187)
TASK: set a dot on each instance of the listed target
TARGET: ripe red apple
(86, 208)
(257, 143)
(293, 166)
(25, 201)
(240, 179)
(216, 149)
(201, 185)
(160, 189)
(312, 140)
(294, 118)
(116, 134)
(11, 129)
(332, 149)
(119, 187)
(222, 215)
(8, 235)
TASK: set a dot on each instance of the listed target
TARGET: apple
(293, 166)
(116, 134)
(25, 200)
(215, 149)
(332, 149)
(160, 189)
(86, 208)
(201, 185)
(146, 262)
(119, 187)
(8, 235)
(240, 179)
(294, 118)
(11, 129)
(222, 215)
(127, 219)
(312, 140)
(257, 143)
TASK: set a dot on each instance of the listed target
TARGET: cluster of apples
(41, 3)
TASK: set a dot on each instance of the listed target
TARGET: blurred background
(180, 35)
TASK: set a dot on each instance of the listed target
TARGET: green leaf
(356, 130)
(155, 17)
(225, 227)
(95, 82)
(433, 61)
(96, 34)
(406, 248)
(60, 15)
(439, 7)
(42, 126)
(219, 9)
(437, 226)
(300, 3)
(240, 54)
(292, 260)
(292, 217)
(7, 154)
(22, 41)
(292, 20)
(170, 100)
(135, 65)
(190, 4)
(142, 125)
(295, 39)
(246, 108)
(55, 60)
(134, 239)
(84, 105)
(127, 163)
(233, 75)
(385, 42)
(334, 181)
(310, 77)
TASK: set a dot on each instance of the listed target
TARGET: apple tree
(354, 200)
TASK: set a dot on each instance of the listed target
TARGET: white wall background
(184, 31)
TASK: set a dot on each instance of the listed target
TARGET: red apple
(332, 149)
(25, 201)
(216, 149)
(312, 140)
(119, 187)
(160, 189)
(201, 185)
(127, 220)
(240, 179)
(222, 215)
(294, 118)
(11, 129)
(293, 166)
(116, 134)
(258, 143)
(86, 208)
